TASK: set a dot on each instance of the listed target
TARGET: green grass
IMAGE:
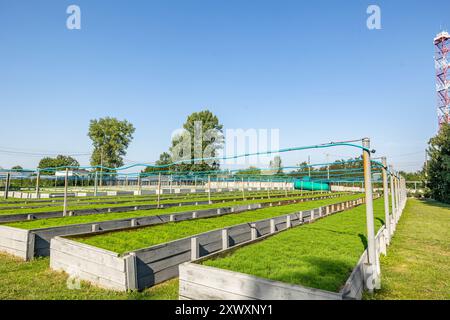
(123, 241)
(62, 221)
(418, 262)
(35, 281)
(319, 255)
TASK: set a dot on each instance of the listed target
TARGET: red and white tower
(442, 45)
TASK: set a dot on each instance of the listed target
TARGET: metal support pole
(209, 189)
(285, 188)
(371, 279)
(387, 221)
(66, 182)
(38, 176)
(159, 189)
(7, 182)
(96, 183)
(139, 182)
(394, 208)
(397, 197)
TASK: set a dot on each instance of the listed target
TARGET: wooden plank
(13, 233)
(161, 251)
(194, 291)
(89, 253)
(155, 278)
(86, 276)
(249, 286)
(13, 244)
(22, 254)
(144, 269)
(75, 263)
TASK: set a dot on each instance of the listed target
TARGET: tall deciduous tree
(110, 138)
(202, 137)
(438, 167)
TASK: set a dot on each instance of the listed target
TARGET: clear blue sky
(311, 69)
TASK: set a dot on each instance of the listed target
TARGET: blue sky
(311, 69)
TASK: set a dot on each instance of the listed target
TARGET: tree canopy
(438, 167)
(59, 161)
(202, 137)
(249, 171)
(164, 159)
(276, 166)
(110, 139)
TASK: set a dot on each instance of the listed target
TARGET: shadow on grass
(363, 240)
(380, 220)
(323, 273)
(434, 203)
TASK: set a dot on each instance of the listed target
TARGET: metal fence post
(96, 183)
(37, 183)
(66, 182)
(397, 196)
(159, 189)
(139, 183)
(394, 209)
(209, 189)
(7, 182)
(371, 276)
(387, 222)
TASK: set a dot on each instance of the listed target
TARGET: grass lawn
(34, 280)
(319, 255)
(418, 262)
(62, 221)
(123, 241)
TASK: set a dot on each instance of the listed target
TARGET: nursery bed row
(36, 242)
(325, 252)
(135, 199)
(74, 219)
(26, 216)
(18, 196)
(164, 247)
(78, 205)
(329, 262)
(129, 240)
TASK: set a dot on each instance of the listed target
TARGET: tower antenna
(442, 50)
